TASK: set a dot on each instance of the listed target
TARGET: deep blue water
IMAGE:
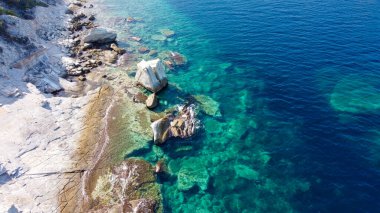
(298, 84)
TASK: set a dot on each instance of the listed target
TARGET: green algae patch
(25, 4)
(6, 12)
(355, 96)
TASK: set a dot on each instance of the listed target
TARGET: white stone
(151, 75)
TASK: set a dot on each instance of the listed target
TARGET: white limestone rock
(151, 75)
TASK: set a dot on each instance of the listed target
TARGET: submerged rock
(193, 173)
(143, 50)
(354, 95)
(158, 37)
(209, 105)
(246, 172)
(178, 59)
(152, 101)
(100, 36)
(151, 75)
(183, 125)
(167, 32)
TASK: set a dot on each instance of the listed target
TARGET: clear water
(299, 90)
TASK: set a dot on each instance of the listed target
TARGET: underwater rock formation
(151, 75)
(167, 33)
(129, 186)
(182, 125)
(208, 105)
(193, 173)
(355, 96)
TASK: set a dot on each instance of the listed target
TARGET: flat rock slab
(100, 36)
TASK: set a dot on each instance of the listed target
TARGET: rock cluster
(181, 123)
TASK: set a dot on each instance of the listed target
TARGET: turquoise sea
(298, 89)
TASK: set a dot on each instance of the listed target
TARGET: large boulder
(151, 75)
(161, 129)
(100, 36)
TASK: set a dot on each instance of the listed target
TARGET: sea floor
(254, 150)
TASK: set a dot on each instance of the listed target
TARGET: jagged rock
(151, 75)
(181, 123)
(151, 101)
(100, 36)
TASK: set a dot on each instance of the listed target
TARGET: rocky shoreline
(63, 107)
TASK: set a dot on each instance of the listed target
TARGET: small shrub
(7, 12)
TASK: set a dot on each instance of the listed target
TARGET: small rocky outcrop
(100, 36)
(181, 123)
(152, 101)
(151, 75)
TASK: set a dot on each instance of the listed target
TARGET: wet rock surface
(131, 184)
(181, 123)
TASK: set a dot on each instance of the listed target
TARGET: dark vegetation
(25, 4)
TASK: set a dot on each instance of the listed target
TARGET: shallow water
(298, 88)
